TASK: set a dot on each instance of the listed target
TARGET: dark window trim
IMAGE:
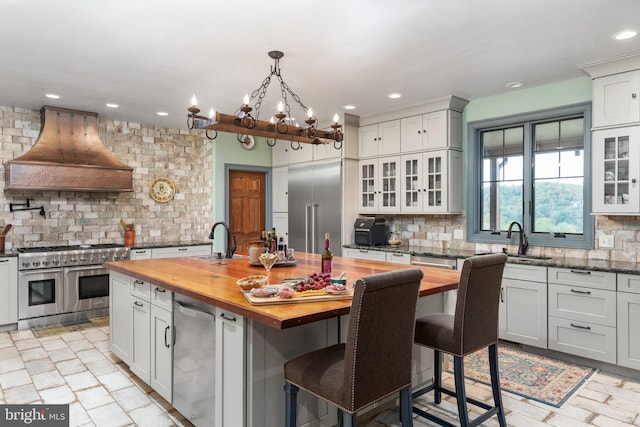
(474, 234)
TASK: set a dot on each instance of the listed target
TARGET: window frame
(474, 179)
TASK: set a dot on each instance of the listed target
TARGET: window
(532, 169)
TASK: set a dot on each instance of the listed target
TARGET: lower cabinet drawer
(582, 304)
(583, 339)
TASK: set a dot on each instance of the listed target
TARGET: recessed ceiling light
(162, 113)
(513, 85)
(111, 105)
(52, 96)
(624, 35)
(349, 107)
(395, 95)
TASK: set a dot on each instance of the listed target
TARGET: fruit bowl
(250, 282)
(395, 242)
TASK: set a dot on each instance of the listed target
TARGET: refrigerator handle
(313, 228)
(306, 227)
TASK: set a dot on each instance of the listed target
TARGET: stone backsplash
(88, 218)
(437, 231)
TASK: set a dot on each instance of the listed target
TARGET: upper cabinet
(380, 139)
(379, 181)
(433, 131)
(616, 99)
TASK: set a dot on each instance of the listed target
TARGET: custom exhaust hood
(68, 156)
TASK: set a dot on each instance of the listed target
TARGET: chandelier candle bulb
(194, 101)
(246, 99)
(280, 107)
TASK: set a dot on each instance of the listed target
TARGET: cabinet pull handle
(165, 336)
(581, 292)
(141, 252)
(182, 249)
(501, 294)
(225, 317)
(139, 304)
(138, 282)
(400, 255)
(580, 271)
(161, 290)
(363, 251)
(4, 260)
(588, 328)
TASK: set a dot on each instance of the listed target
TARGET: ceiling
(152, 56)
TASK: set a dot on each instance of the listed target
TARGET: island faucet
(230, 248)
(522, 244)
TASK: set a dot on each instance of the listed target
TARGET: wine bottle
(327, 256)
(273, 244)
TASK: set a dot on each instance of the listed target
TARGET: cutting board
(274, 299)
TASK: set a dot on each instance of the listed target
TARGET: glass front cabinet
(379, 181)
(616, 164)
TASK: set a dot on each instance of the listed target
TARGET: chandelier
(243, 123)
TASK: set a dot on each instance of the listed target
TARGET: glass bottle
(327, 256)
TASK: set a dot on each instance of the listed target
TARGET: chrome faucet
(230, 248)
(522, 244)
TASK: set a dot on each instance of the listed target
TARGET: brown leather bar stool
(375, 361)
(473, 326)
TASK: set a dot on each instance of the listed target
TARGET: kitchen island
(252, 342)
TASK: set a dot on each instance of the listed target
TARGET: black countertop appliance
(370, 231)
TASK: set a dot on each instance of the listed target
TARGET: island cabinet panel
(141, 350)
(267, 351)
(9, 290)
(161, 352)
(230, 373)
(121, 316)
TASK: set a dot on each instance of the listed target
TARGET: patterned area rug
(535, 377)
(60, 329)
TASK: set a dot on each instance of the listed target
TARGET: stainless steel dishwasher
(449, 297)
(194, 360)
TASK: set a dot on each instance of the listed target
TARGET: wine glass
(267, 260)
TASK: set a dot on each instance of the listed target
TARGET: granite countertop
(170, 244)
(560, 262)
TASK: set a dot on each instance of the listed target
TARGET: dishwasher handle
(194, 312)
(433, 264)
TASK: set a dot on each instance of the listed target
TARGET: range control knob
(55, 262)
(46, 263)
(26, 263)
(36, 263)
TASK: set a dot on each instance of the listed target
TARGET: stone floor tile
(14, 379)
(595, 392)
(78, 345)
(150, 416)
(34, 354)
(94, 397)
(58, 395)
(101, 367)
(26, 344)
(631, 385)
(560, 420)
(11, 365)
(47, 380)
(95, 335)
(626, 416)
(621, 393)
(23, 334)
(515, 419)
(602, 421)
(71, 336)
(39, 366)
(91, 355)
(131, 398)
(607, 378)
(61, 354)
(78, 416)
(110, 415)
(523, 407)
(575, 413)
(54, 344)
(9, 353)
(71, 366)
(81, 380)
(115, 381)
(103, 346)
(21, 395)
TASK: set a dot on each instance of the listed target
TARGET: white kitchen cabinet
(140, 362)
(523, 305)
(300, 153)
(380, 139)
(627, 331)
(327, 151)
(582, 313)
(398, 258)
(431, 182)
(364, 254)
(432, 131)
(280, 221)
(8, 290)
(181, 251)
(120, 316)
(230, 363)
(616, 171)
(280, 189)
(136, 254)
(161, 354)
(280, 153)
(379, 185)
(616, 99)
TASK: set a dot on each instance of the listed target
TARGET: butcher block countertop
(215, 284)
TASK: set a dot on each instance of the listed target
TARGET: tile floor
(77, 368)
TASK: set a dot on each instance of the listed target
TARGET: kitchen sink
(522, 257)
(215, 257)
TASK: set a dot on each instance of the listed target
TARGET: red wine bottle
(327, 256)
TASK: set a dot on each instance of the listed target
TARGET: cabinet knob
(418, 132)
(633, 181)
(633, 95)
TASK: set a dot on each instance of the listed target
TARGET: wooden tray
(277, 300)
(277, 264)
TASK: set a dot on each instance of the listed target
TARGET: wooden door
(246, 206)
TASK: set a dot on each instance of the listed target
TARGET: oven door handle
(85, 268)
(45, 271)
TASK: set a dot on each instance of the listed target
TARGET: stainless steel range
(64, 284)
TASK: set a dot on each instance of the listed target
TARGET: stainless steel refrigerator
(315, 205)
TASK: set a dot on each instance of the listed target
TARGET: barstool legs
(495, 383)
(290, 404)
(461, 395)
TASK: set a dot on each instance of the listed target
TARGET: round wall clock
(162, 190)
(247, 141)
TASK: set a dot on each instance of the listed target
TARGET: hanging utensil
(6, 230)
